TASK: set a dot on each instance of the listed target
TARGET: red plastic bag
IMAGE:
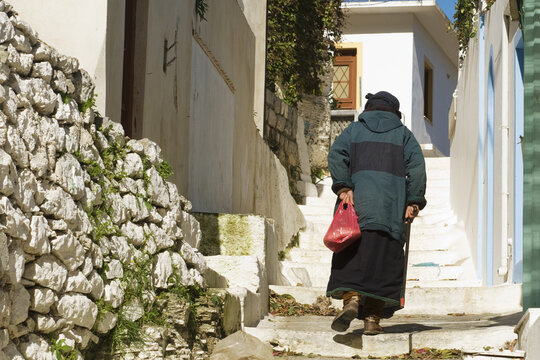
(343, 230)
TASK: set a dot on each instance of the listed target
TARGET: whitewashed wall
(444, 84)
(469, 148)
(387, 42)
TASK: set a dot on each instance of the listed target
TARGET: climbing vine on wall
(200, 9)
(465, 21)
(300, 43)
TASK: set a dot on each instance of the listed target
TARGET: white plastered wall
(387, 54)
(465, 144)
(444, 84)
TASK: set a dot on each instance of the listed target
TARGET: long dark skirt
(372, 266)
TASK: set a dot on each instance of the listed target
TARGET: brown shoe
(351, 301)
(371, 325)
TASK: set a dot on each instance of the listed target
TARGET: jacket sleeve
(415, 170)
(339, 160)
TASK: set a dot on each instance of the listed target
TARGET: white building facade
(487, 159)
(403, 47)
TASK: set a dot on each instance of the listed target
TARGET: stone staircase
(441, 280)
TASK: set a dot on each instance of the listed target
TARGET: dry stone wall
(91, 230)
(280, 129)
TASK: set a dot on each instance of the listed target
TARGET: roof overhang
(428, 13)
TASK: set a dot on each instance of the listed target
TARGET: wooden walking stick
(407, 237)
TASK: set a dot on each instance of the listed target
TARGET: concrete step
(325, 202)
(306, 274)
(308, 210)
(439, 257)
(501, 299)
(443, 274)
(312, 335)
(316, 256)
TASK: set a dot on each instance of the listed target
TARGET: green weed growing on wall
(301, 38)
(465, 19)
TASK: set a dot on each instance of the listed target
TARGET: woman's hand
(347, 197)
(411, 212)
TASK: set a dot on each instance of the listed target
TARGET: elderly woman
(377, 165)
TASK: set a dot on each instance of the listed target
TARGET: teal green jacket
(381, 161)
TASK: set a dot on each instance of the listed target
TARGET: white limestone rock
(20, 63)
(115, 270)
(20, 303)
(27, 30)
(68, 113)
(151, 150)
(114, 293)
(78, 309)
(73, 136)
(39, 238)
(181, 270)
(121, 250)
(133, 233)
(41, 299)
(4, 338)
(87, 265)
(69, 175)
(42, 70)
(40, 94)
(42, 52)
(8, 173)
(136, 207)
(97, 285)
(45, 324)
(12, 353)
(3, 128)
(77, 282)
(84, 86)
(28, 126)
(21, 42)
(59, 204)
(107, 322)
(5, 308)
(16, 262)
(47, 271)
(14, 222)
(25, 190)
(80, 336)
(134, 310)
(162, 239)
(3, 94)
(162, 270)
(68, 249)
(4, 70)
(16, 148)
(157, 191)
(61, 84)
(67, 64)
(190, 229)
(120, 213)
(39, 161)
(10, 105)
(115, 131)
(97, 256)
(4, 254)
(198, 279)
(133, 166)
(193, 258)
(7, 31)
(36, 348)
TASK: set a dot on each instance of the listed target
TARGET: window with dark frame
(344, 80)
(428, 91)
